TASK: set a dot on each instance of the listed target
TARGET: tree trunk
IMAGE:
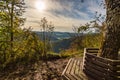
(111, 43)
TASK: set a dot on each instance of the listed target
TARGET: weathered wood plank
(96, 67)
(93, 71)
(92, 48)
(69, 70)
(98, 58)
(91, 76)
(98, 63)
(73, 70)
(64, 72)
(78, 69)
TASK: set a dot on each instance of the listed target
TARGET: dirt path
(38, 71)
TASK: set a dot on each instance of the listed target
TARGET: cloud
(62, 13)
(96, 6)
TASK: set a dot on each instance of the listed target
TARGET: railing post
(84, 58)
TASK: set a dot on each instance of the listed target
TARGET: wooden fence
(99, 68)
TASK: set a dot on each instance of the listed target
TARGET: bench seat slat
(69, 70)
(73, 70)
(64, 72)
(78, 70)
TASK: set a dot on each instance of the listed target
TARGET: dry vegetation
(35, 71)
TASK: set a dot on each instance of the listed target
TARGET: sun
(40, 5)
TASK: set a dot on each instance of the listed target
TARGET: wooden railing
(99, 68)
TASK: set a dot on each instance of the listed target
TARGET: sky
(64, 14)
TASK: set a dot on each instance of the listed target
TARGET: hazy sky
(62, 13)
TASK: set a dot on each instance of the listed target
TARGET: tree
(111, 43)
(11, 12)
(79, 35)
(10, 20)
(47, 31)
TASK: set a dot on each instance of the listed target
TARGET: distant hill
(56, 36)
(60, 40)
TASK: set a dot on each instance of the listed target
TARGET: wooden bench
(92, 67)
(75, 67)
(73, 70)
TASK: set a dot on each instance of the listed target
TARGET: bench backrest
(100, 68)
